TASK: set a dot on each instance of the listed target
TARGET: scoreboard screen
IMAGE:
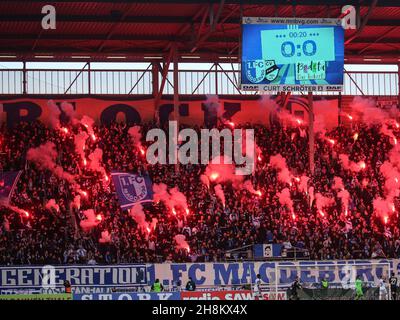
(292, 54)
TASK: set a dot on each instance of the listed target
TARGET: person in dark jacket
(190, 285)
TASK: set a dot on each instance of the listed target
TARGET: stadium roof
(112, 30)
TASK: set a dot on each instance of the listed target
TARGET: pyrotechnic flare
(362, 165)
(88, 124)
(214, 176)
(178, 199)
(249, 187)
(52, 205)
(279, 163)
(350, 165)
(105, 237)
(139, 216)
(383, 207)
(80, 142)
(220, 193)
(323, 202)
(368, 110)
(77, 202)
(222, 169)
(83, 193)
(204, 179)
(96, 157)
(311, 193)
(22, 212)
(45, 157)
(181, 242)
(303, 183)
(91, 220)
(153, 224)
(136, 138)
(69, 111)
(285, 199)
(54, 115)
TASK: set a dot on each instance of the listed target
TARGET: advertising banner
(192, 111)
(102, 279)
(217, 295)
(281, 295)
(129, 296)
(232, 295)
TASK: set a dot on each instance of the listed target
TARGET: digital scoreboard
(292, 54)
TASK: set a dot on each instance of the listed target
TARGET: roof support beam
(382, 3)
(215, 20)
(184, 39)
(377, 40)
(164, 79)
(363, 24)
(115, 26)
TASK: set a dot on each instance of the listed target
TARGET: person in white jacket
(383, 293)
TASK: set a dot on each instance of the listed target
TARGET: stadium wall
(101, 279)
(192, 111)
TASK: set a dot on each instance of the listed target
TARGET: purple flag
(8, 181)
(132, 188)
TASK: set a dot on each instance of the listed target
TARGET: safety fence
(216, 80)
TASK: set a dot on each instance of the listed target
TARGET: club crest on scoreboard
(271, 70)
(260, 70)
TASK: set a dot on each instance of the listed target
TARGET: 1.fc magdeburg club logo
(133, 188)
(258, 70)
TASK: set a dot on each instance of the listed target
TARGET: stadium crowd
(55, 237)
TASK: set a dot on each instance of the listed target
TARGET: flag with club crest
(132, 188)
(8, 181)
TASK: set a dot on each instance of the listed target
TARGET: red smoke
(279, 163)
(52, 205)
(105, 237)
(91, 220)
(181, 242)
(44, 157)
(285, 199)
(219, 192)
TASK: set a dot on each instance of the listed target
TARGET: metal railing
(216, 80)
